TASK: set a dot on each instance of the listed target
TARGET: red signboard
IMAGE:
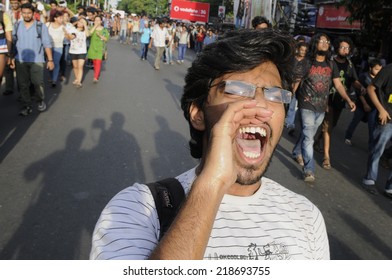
(192, 11)
(331, 17)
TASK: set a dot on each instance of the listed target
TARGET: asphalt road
(59, 168)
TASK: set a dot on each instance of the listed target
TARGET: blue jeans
(358, 116)
(123, 35)
(198, 47)
(181, 51)
(310, 121)
(169, 54)
(57, 53)
(290, 117)
(238, 22)
(382, 135)
(144, 50)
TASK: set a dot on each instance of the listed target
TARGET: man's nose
(259, 96)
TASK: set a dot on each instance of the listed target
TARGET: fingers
(241, 113)
(247, 110)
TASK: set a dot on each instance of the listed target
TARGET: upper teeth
(254, 130)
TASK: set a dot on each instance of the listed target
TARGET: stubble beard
(251, 174)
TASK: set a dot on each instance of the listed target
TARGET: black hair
(257, 20)
(313, 46)
(27, 6)
(237, 51)
(53, 2)
(54, 15)
(301, 44)
(91, 10)
(341, 39)
(374, 62)
(72, 20)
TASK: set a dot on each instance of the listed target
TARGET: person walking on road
(380, 93)
(233, 100)
(313, 92)
(29, 58)
(144, 40)
(99, 37)
(336, 104)
(158, 37)
(78, 50)
(365, 109)
(14, 16)
(300, 67)
(57, 34)
(183, 44)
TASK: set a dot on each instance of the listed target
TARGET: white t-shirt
(56, 35)
(78, 44)
(159, 35)
(273, 223)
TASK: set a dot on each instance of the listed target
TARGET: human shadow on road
(369, 237)
(173, 152)
(12, 126)
(284, 156)
(76, 184)
(175, 92)
(339, 250)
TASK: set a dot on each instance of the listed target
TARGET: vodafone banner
(192, 11)
(331, 17)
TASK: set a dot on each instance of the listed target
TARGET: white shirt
(273, 223)
(78, 44)
(159, 36)
(56, 35)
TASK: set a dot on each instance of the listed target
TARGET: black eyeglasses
(244, 89)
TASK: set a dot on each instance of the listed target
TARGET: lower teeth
(251, 155)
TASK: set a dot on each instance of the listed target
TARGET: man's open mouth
(251, 141)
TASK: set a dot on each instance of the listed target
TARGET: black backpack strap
(168, 196)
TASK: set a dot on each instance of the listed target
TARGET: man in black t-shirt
(312, 94)
(348, 77)
(380, 92)
(365, 109)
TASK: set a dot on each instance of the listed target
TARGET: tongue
(253, 146)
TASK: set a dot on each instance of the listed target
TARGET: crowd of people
(326, 78)
(64, 39)
(301, 82)
(326, 82)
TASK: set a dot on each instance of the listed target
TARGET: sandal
(326, 164)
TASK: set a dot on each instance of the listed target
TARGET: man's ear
(196, 117)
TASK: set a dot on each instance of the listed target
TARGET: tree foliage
(375, 17)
